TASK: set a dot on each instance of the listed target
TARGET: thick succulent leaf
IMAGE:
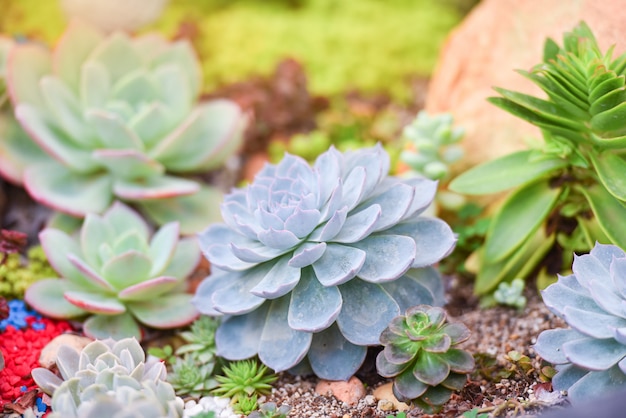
(567, 375)
(117, 54)
(618, 275)
(550, 342)
(593, 324)
(606, 252)
(234, 295)
(95, 302)
(46, 380)
(249, 251)
(430, 368)
(313, 307)
(128, 164)
(238, 337)
(433, 398)
(387, 257)
(594, 354)
(43, 130)
(168, 311)
(332, 357)
(329, 230)
(425, 190)
(112, 326)
(122, 219)
(148, 289)
(26, 65)
(406, 387)
(434, 239)
(587, 268)
(518, 218)
(610, 168)
(457, 331)
(439, 343)
(595, 385)
(53, 185)
(394, 202)
(416, 287)
(278, 239)
(557, 296)
(17, 151)
(66, 109)
(460, 361)
(57, 244)
(387, 369)
(93, 278)
(281, 279)
(127, 269)
(162, 247)
(455, 381)
(137, 88)
(607, 298)
(506, 172)
(357, 225)
(352, 189)
(181, 52)
(338, 264)
(151, 123)
(46, 296)
(185, 259)
(307, 254)
(358, 322)
(609, 212)
(67, 361)
(95, 85)
(157, 188)
(210, 134)
(282, 347)
(400, 351)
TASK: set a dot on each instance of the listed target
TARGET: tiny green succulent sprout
(244, 378)
(119, 273)
(191, 378)
(200, 340)
(109, 378)
(271, 410)
(112, 117)
(420, 353)
(245, 405)
(511, 294)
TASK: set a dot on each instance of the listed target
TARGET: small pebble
(385, 393)
(221, 407)
(349, 392)
(48, 355)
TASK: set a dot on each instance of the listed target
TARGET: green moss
(16, 275)
(370, 45)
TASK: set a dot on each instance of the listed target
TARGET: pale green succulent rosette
(109, 379)
(116, 271)
(117, 118)
(313, 262)
(590, 357)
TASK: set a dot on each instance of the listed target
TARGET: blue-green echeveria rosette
(119, 274)
(117, 118)
(590, 356)
(311, 263)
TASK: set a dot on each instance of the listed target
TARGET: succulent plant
(432, 145)
(244, 378)
(315, 261)
(113, 117)
(117, 271)
(108, 378)
(511, 294)
(590, 356)
(271, 410)
(192, 378)
(200, 340)
(421, 353)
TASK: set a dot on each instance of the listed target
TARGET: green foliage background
(370, 45)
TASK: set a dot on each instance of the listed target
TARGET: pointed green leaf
(610, 122)
(505, 172)
(611, 169)
(518, 218)
(609, 211)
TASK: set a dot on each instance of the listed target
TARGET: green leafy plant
(200, 340)
(569, 191)
(119, 273)
(421, 354)
(244, 378)
(245, 404)
(116, 118)
(192, 378)
(511, 294)
(271, 410)
(107, 378)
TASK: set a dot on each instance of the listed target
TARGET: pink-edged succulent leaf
(112, 326)
(200, 209)
(127, 269)
(154, 188)
(205, 139)
(53, 185)
(57, 244)
(72, 49)
(180, 51)
(47, 297)
(152, 122)
(26, 65)
(166, 311)
(122, 219)
(17, 151)
(93, 234)
(175, 90)
(93, 278)
(95, 85)
(46, 380)
(113, 132)
(162, 247)
(97, 303)
(128, 164)
(185, 259)
(117, 54)
(148, 289)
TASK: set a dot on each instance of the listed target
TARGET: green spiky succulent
(244, 378)
(421, 354)
(191, 378)
(568, 191)
(200, 340)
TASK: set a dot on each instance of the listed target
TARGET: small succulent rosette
(120, 274)
(109, 379)
(421, 353)
(312, 263)
(116, 118)
(590, 356)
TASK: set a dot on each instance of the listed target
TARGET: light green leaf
(520, 216)
(609, 211)
(611, 169)
(506, 172)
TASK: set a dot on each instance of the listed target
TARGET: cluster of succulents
(244, 380)
(109, 378)
(590, 356)
(421, 353)
(313, 262)
(119, 273)
(116, 118)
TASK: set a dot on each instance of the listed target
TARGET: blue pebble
(18, 312)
